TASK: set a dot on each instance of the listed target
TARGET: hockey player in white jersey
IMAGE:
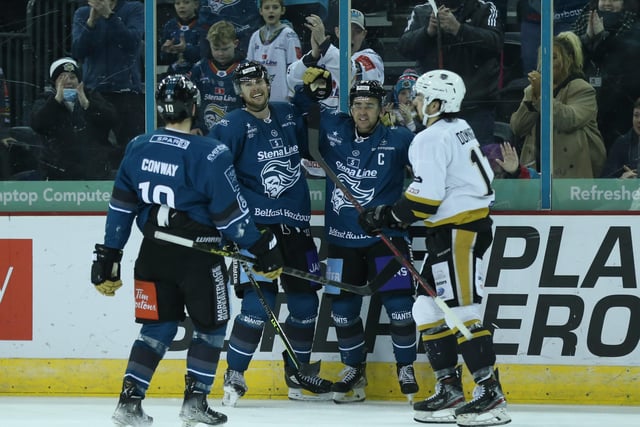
(451, 192)
(366, 64)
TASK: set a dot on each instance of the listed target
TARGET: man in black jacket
(75, 124)
(466, 37)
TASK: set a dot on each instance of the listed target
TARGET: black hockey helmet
(249, 71)
(175, 97)
(367, 88)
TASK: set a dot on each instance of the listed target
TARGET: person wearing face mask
(75, 123)
(610, 34)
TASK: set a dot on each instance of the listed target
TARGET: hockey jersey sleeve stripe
(410, 210)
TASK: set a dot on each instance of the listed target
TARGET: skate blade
(494, 417)
(230, 399)
(299, 394)
(444, 416)
(355, 395)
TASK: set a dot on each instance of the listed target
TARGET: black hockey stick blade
(216, 250)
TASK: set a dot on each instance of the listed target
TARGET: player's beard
(255, 106)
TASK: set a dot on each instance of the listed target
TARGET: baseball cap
(357, 18)
(64, 65)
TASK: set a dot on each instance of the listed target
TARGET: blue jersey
(372, 168)
(189, 173)
(243, 14)
(173, 29)
(267, 154)
(217, 95)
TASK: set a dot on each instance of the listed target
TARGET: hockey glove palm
(318, 83)
(374, 219)
(105, 270)
(269, 260)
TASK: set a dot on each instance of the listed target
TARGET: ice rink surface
(96, 412)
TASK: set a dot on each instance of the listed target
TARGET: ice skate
(441, 407)
(488, 407)
(129, 411)
(305, 384)
(407, 380)
(195, 408)
(234, 387)
(351, 387)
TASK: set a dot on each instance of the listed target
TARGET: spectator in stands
(243, 14)
(400, 111)
(181, 37)
(75, 124)
(107, 40)
(366, 64)
(214, 77)
(624, 155)
(566, 12)
(610, 35)
(504, 161)
(276, 46)
(577, 147)
(297, 12)
(464, 36)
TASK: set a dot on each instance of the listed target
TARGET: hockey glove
(374, 219)
(105, 270)
(318, 83)
(269, 260)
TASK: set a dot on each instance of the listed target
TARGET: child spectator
(276, 46)
(214, 77)
(400, 109)
(243, 14)
(181, 37)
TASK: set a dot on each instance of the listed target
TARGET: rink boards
(561, 293)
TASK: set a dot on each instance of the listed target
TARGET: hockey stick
(212, 249)
(273, 319)
(434, 7)
(314, 150)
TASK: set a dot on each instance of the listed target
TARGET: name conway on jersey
(161, 168)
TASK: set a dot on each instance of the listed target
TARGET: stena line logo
(16, 289)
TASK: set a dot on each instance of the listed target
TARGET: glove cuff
(107, 253)
(265, 243)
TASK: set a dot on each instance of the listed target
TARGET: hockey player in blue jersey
(370, 159)
(182, 184)
(267, 141)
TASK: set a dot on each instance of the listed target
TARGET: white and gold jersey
(452, 177)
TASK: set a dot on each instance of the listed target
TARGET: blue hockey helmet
(175, 97)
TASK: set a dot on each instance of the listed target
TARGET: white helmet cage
(443, 85)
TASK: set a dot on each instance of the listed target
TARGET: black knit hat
(64, 65)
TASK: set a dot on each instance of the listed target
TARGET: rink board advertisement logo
(16, 289)
(565, 291)
(561, 290)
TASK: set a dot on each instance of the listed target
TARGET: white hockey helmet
(444, 85)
